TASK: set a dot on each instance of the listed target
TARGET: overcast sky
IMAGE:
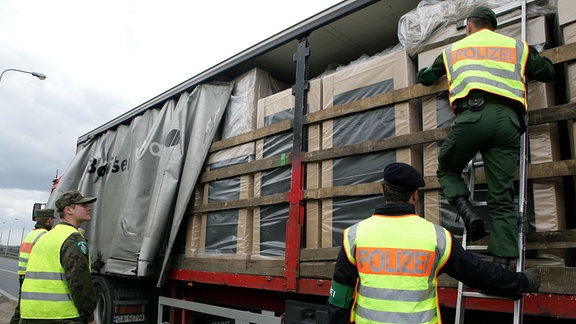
(103, 58)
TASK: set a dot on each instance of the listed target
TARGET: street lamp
(2, 233)
(36, 74)
(8, 241)
(23, 228)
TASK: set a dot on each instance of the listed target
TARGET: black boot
(474, 224)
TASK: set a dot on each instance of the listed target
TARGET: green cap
(486, 14)
(70, 198)
(47, 212)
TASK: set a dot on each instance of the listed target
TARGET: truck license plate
(129, 318)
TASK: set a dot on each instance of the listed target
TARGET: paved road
(9, 277)
(8, 287)
(6, 309)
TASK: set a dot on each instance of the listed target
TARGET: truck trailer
(224, 198)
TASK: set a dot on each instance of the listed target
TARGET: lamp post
(39, 75)
(8, 241)
(23, 229)
(2, 233)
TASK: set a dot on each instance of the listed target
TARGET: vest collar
(395, 209)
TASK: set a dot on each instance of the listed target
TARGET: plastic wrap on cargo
(543, 141)
(345, 212)
(269, 106)
(235, 155)
(222, 227)
(339, 213)
(271, 230)
(415, 27)
(569, 35)
(240, 116)
(548, 195)
(366, 58)
(271, 220)
(436, 113)
(277, 145)
(221, 232)
(366, 77)
(366, 126)
(363, 78)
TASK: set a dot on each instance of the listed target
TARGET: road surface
(9, 277)
(8, 287)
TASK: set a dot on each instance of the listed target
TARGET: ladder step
(477, 248)
(478, 163)
(479, 203)
(476, 294)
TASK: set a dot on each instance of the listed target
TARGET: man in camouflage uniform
(44, 221)
(58, 284)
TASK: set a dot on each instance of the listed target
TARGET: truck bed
(315, 264)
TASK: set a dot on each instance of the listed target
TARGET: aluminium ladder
(463, 293)
(522, 222)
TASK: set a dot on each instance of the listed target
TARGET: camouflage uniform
(75, 261)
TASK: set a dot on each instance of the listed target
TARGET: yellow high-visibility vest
(398, 259)
(487, 61)
(26, 247)
(45, 292)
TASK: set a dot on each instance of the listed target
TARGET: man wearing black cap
(386, 270)
(44, 221)
(58, 284)
(486, 73)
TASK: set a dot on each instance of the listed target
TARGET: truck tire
(105, 298)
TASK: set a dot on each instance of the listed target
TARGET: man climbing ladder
(488, 95)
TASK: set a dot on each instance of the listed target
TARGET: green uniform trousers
(494, 132)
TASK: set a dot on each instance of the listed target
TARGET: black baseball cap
(403, 175)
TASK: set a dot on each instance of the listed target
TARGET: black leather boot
(474, 224)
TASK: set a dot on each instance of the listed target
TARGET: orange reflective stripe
(398, 262)
(26, 247)
(499, 54)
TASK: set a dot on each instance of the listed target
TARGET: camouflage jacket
(75, 261)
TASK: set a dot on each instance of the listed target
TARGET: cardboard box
(313, 173)
(228, 233)
(240, 114)
(566, 12)
(224, 233)
(508, 23)
(569, 35)
(361, 79)
(270, 221)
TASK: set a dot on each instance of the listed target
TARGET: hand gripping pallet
(522, 223)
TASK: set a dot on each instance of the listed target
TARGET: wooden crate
(228, 233)
(225, 233)
(270, 221)
(364, 78)
(313, 237)
(569, 35)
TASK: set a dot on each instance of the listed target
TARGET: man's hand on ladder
(534, 279)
